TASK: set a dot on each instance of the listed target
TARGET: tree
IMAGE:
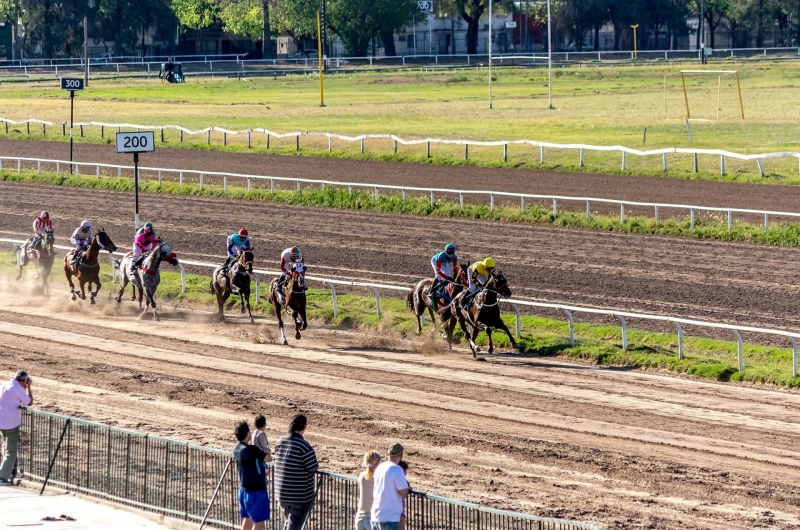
(12, 11)
(196, 14)
(126, 21)
(250, 18)
(472, 11)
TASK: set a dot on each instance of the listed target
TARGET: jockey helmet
(44, 215)
(86, 225)
(244, 233)
(295, 252)
(149, 226)
(450, 249)
(148, 230)
(489, 263)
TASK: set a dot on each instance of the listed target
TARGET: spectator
(295, 466)
(389, 492)
(260, 437)
(14, 396)
(365, 485)
(253, 495)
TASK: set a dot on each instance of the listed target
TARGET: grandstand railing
(268, 135)
(177, 479)
(568, 310)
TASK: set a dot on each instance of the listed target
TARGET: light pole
(635, 50)
(490, 54)
(549, 60)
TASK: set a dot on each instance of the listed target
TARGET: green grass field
(594, 105)
(598, 344)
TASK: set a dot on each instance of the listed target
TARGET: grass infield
(545, 337)
(594, 105)
(713, 227)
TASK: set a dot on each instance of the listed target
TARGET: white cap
(86, 224)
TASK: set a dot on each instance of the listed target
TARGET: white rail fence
(568, 310)
(247, 181)
(722, 154)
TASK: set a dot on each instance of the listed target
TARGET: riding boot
(226, 265)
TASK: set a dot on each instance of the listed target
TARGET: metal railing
(568, 310)
(177, 479)
(521, 198)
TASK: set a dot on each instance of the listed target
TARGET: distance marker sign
(136, 142)
(71, 83)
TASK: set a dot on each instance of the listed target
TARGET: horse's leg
(69, 279)
(151, 301)
(133, 295)
(502, 325)
(296, 317)
(94, 294)
(277, 308)
(303, 317)
(489, 334)
(249, 312)
(83, 284)
(123, 280)
(474, 335)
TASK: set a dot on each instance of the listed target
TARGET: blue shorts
(254, 505)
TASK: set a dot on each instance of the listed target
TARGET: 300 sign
(71, 83)
(139, 142)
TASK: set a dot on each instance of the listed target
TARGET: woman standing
(365, 483)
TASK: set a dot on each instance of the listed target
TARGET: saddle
(78, 262)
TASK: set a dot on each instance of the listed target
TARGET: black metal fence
(178, 479)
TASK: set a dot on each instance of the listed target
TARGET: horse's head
(299, 274)
(49, 238)
(247, 260)
(498, 283)
(104, 241)
(167, 254)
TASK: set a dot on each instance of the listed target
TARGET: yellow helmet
(489, 263)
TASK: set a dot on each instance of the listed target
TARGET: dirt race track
(726, 282)
(620, 449)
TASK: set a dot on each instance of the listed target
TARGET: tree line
(55, 27)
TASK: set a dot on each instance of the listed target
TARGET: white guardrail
(568, 310)
(581, 148)
(522, 197)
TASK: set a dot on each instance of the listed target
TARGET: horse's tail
(446, 313)
(211, 286)
(410, 299)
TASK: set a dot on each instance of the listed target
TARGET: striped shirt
(295, 465)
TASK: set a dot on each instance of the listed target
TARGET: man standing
(389, 492)
(253, 496)
(14, 395)
(295, 466)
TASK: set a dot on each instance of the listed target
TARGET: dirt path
(622, 449)
(720, 281)
(633, 188)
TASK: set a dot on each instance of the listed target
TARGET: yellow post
(685, 96)
(739, 87)
(665, 96)
(635, 51)
(319, 52)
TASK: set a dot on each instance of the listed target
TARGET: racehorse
(236, 282)
(483, 312)
(42, 258)
(146, 277)
(87, 269)
(294, 295)
(418, 299)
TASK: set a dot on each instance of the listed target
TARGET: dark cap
(396, 449)
(298, 423)
(21, 375)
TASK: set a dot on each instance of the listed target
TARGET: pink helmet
(148, 230)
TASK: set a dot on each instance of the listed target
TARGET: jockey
(42, 224)
(144, 242)
(81, 238)
(236, 244)
(479, 274)
(444, 266)
(288, 257)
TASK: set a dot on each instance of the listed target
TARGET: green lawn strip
(599, 106)
(780, 234)
(598, 344)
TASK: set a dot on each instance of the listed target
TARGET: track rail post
(739, 349)
(571, 326)
(624, 332)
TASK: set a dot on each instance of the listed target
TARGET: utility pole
(86, 50)
(490, 53)
(549, 59)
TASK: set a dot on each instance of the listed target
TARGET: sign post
(72, 84)
(136, 142)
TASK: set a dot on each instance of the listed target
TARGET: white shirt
(387, 504)
(12, 398)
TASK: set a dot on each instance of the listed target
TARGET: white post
(571, 327)
(740, 349)
(680, 341)
(555, 207)
(664, 160)
(721, 164)
(624, 333)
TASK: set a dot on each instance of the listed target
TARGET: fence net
(178, 480)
